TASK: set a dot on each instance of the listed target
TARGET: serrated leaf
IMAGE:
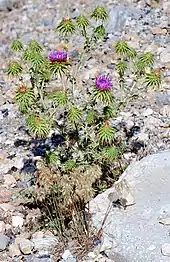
(82, 21)
(60, 98)
(14, 69)
(38, 126)
(24, 99)
(105, 96)
(16, 46)
(100, 13)
(74, 115)
(121, 67)
(106, 134)
(110, 153)
(91, 116)
(152, 80)
(66, 27)
(58, 68)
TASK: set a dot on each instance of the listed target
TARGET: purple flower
(103, 83)
(58, 56)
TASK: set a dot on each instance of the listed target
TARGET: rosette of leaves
(109, 154)
(124, 50)
(66, 27)
(58, 68)
(82, 23)
(99, 13)
(14, 69)
(109, 112)
(53, 158)
(74, 115)
(144, 61)
(98, 33)
(91, 116)
(17, 46)
(153, 80)
(38, 126)
(104, 96)
(60, 98)
(106, 134)
(24, 98)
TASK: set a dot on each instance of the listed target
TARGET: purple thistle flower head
(103, 83)
(58, 56)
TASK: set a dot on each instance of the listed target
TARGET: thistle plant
(141, 67)
(90, 144)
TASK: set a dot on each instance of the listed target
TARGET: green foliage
(99, 32)
(82, 21)
(144, 61)
(74, 115)
(58, 68)
(35, 47)
(106, 134)
(14, 69)
(68, 165)
(123, 49)
(38, 126)
(109, 154)
(60, 98)
(66, 27)
(16, 46)
(108, 112)
(122, 67)
(25, 98)
(53, 158)
(34, 58)
(99, 13)
(91, 116)
(104, 96)
(152, 80)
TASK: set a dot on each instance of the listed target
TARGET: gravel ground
(143, 24)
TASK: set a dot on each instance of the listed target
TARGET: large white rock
(137, 229)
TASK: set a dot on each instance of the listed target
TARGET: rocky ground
(143, 24)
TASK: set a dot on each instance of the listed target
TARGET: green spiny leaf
(14, 69)
(16, 46)
(34, 58)
(106, 134)
(152, 80)
(144, 61)
(60, 98)
(24, 98)
(82, 21)
(68, 165)
(66, 27)
(110, 153)
(99, 32)
(34, 47)
(52, 158)
(58, 68)
(74, 115)
(121, 67)
(108, 112)
(38, 126)
(91, 116)
(105, 96)
(100, 13)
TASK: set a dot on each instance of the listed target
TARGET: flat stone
(17, 221)
(4, 240)
(137, 228)
(2, 227)
(26, 246)
(165, 221)
(45, 245)
(166, 249)
(5, 195)
(165, 55)
(159, 31)
(14, 250)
